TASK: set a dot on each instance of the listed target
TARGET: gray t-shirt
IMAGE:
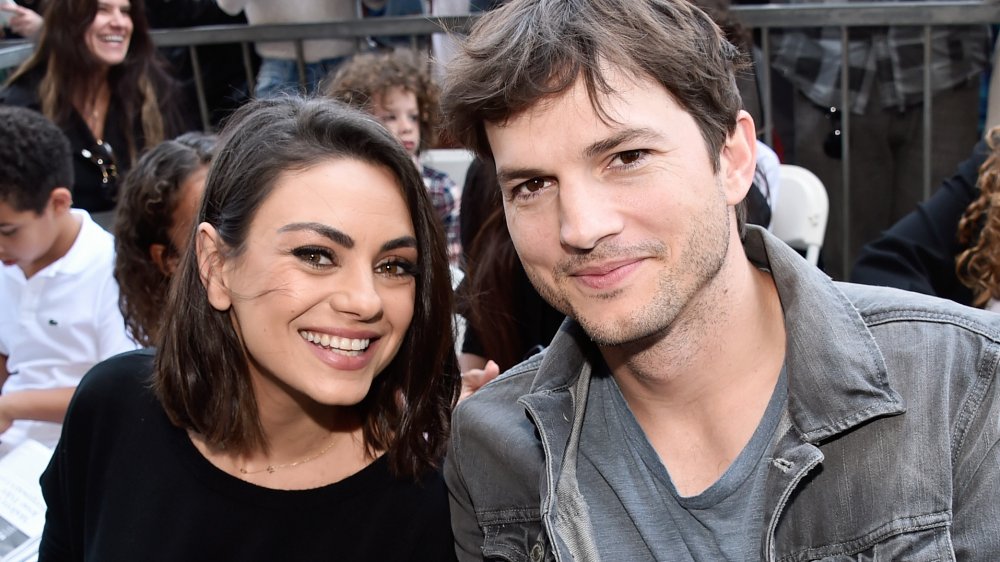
(637, 513)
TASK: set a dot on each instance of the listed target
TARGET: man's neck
(701, 389)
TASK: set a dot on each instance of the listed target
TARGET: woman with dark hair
(299, 403)
(507, 320)
(159, 201)
(96, 73)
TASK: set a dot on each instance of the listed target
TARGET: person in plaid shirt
(397, 89)
(886, 101)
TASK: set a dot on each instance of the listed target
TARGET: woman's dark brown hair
(487, 297)
(202, 375)
(978, 267)
(69, 67)
(149, 195)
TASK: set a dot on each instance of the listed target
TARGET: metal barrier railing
(764, 18)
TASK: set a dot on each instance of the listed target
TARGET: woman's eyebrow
(401, 242)
(333, 234)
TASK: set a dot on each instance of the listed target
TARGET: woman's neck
(93, 105)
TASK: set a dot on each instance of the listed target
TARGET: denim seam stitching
(973, 401)
(854, 546)
(909, 315)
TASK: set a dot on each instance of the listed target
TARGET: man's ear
(209, 248)
(738, 160)
(61, 200)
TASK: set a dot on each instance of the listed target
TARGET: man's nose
(586, 214)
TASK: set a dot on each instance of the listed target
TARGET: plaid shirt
(446, 200)
(894, 56)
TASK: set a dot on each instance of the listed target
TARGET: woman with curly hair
(96, 73)
(397, 89)
(159, 202)
(298, 404)
(978, 266)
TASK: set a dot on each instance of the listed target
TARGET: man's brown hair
(529, 50)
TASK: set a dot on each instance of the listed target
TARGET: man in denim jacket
(712, 396)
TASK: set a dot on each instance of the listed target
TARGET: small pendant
(243, 471)
(270, 469)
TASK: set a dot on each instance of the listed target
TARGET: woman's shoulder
(115, 384)
(22, 92)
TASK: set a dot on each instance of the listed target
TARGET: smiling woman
(298, 406)
(96, 73)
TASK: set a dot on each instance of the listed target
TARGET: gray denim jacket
(888, 448)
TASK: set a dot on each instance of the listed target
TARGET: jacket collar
(837, 377)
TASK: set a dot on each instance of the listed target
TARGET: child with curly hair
(160, 198)
(396, 88)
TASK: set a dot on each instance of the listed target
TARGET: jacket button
(536, 553)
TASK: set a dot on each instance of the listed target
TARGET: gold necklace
(271, 468)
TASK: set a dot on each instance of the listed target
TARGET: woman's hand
(473, 379)
(23, 21)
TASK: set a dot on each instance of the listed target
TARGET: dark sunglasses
(832, 146)
(103, 157)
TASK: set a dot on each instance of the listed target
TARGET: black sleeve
(918, 252)
(471, 343)
(90, 425)
(56, 536)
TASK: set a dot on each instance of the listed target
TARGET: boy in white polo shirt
(58, 298)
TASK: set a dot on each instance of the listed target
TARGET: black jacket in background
(918, 252)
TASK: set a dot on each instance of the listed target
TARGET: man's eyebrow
(323, 230)
(599, 148)
(508, 175)
(401, 242)
(621, 137)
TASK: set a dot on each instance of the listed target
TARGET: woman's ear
(210, 266)
(165, 260)
(738, 160)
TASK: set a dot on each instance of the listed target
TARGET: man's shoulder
(882, 306)
(502, 393)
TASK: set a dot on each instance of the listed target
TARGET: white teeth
(113, 38)
(345, 346)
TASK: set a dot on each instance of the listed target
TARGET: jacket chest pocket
(918, 545)
(520, 541)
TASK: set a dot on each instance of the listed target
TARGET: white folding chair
(800, 213)
(452, 161)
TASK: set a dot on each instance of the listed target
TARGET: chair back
(452, 161)
(801, 211)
